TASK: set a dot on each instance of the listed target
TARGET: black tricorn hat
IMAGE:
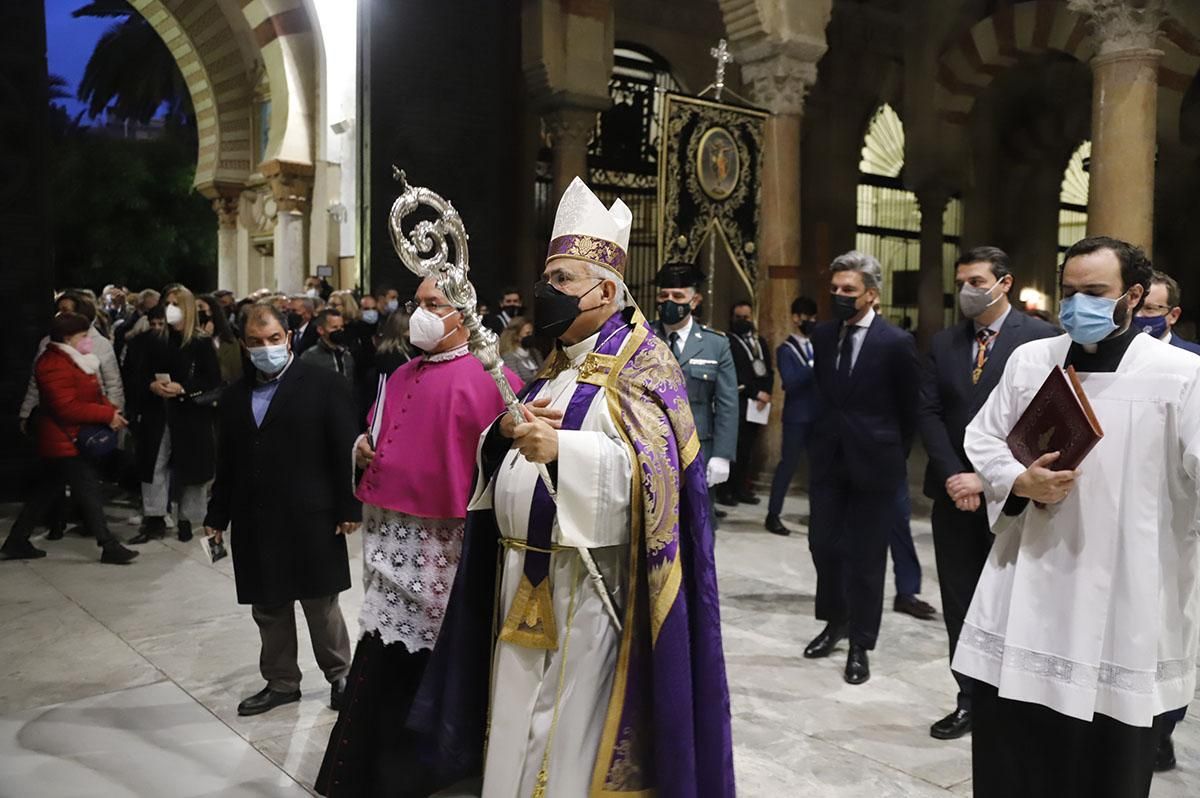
(679, 275)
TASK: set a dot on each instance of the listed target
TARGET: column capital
(1120, 25)
(291, 184)
(569, 125)
(933, 197)
(226, 208)
(778, 75)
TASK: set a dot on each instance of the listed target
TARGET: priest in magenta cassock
(418, 458)
(600, 623)
(1083, 630)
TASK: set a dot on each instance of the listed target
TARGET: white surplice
(1091, 605)
(594, 473)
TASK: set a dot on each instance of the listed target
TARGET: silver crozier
(426, 252)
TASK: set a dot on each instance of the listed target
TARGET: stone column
(226, 209)
(291, 188)
(930, 289)
(569, 129)
(778, 78)
(1124, 115)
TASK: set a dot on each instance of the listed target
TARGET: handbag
(208, 398)
(96, 442)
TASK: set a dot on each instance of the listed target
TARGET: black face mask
(529, 342)
(806, 326)
(338, 338)
(673, 312)
(203, 317)
(844, 307)
(741, 327)
(295, 321)
(554, 312)
(514, 310)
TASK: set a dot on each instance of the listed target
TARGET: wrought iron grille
(622, 162)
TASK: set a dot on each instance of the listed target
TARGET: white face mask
(312, 292)
(174, 315)
(426, 330)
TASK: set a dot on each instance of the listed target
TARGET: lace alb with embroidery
(1106, 675)
(408, 568)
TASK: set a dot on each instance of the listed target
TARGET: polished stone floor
(125, 681)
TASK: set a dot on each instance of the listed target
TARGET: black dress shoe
(726, 499)
(858, 667)
(776, 527)
(336, 691)
(24, 551)
(953, 726)
(720, 513)
(55, 533)
(153, 528)
(746, 497)
(115, 554)
(184, 531)
(265, 700)
(823, 644)
(911, 605)
(1165, 759)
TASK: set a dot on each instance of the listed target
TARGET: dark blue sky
(69, 44)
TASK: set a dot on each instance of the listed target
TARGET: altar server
(1083, 630)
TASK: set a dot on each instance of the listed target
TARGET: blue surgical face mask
(370, 316)
(269, 359)
(1155, 325)
(1089, 319)
(392, 305)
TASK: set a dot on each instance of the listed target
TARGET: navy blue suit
(1184, 344)
(860, 443)
(949, 401)
(800, 407)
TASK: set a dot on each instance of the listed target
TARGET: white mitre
(585, 229)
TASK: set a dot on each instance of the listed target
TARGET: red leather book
(1059, 419)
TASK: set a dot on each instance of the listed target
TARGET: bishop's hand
(536, 438)
(540, 408)
(1041, 484)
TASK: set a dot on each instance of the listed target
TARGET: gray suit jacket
(707, 363)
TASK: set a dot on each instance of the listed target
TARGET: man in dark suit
(301, 311)
(801, 402)
(284, 488)
(1161, 312)
(755, 379)
(867, 374)
(964, 365)
(1158, 317)
(510, 308)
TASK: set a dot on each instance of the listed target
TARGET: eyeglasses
(411, 306)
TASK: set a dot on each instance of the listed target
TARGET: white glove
(718, 471)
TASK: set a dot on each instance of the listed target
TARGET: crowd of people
(540, 603)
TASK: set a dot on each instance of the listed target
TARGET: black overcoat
(283, 487)
(193, 365)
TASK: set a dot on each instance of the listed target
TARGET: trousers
(794, 444)
(277, 628)
(156, 495)
(81, 476)
(906, 568)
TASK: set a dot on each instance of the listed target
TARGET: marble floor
(125, 682)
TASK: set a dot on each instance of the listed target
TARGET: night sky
(69, 44)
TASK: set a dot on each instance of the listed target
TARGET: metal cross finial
(721, 53)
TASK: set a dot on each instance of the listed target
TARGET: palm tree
(131, 73)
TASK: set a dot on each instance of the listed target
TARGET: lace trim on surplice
(1047, 666)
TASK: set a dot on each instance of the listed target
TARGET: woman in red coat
(70, 400)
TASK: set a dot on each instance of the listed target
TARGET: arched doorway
(889, 221)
